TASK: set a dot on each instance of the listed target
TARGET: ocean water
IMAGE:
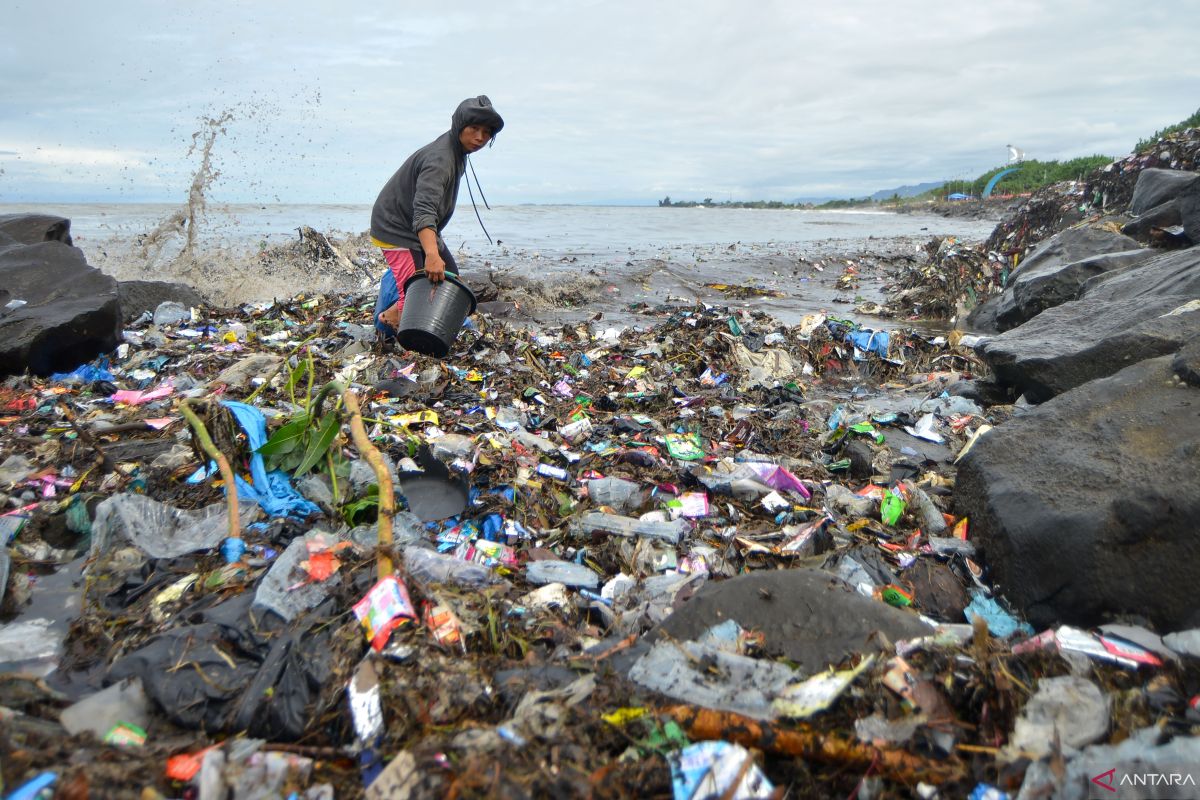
(563, 262)
(552, 230)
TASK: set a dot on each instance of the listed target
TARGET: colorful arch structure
(987, 190)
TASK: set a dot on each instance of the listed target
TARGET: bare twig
(106, 463)
(210, 449)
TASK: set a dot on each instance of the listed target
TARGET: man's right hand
(435, 268)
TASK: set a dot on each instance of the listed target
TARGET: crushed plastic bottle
(429, 566)
(599, 522)
(565, 572)
(160, 530)
(452, 446)
(932, 522)
(618, 493)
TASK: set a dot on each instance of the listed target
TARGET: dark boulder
(1033, 292)
(1186, 363)
(141, 296)
(1157, 186)
(1085, 507)
(1189, 213)
(70, 312)
(34, 228)
(1161, 216)
(809, 616)
(1124, 316)
(1053, 273)
(984, 393)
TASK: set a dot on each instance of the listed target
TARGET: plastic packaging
(170, 312)
(565, 572)
(285, 590)
(617, 493)
(15, 469)
(271, 490)
(706, 676)
(577, 431)
(508, 418)
(124, 701)
(717, 769)
(598, 522)
(891, 508)
(428, 567)
(29, 640)
(383, 609)
(1066, 710)
(160, 530)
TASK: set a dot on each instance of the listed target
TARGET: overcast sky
(620, 101)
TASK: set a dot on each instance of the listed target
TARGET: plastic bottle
(429, 566)
(596, 521)
(932, 522)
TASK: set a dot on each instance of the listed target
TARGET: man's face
(473, 137)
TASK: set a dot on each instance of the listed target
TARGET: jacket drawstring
(472, 194)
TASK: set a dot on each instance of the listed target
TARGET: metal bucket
(433, 314)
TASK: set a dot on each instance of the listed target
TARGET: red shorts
(401, 263)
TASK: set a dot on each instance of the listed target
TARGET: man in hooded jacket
(415, 205)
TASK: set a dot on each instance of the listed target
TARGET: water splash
(186, 219)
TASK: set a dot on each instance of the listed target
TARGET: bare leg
(391, 317)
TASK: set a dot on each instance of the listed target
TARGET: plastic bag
(160, 530)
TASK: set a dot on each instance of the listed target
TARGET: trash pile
(1107, 191)
(1111, 187)
(954, 276)
(707, 556)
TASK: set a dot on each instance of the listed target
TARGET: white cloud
(604, 100)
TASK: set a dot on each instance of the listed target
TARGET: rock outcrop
(1053, 273)
(34, 228)
(1087, 506)
(138, 297)
(1128, 314)
(56, 311)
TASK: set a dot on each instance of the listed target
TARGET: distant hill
(906, 191)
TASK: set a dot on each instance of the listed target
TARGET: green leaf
(319, 445)
(354, 512)
(284, 440)
(289, 462)
(296, 375)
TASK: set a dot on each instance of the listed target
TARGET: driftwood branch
(812, 745)
(387, 494)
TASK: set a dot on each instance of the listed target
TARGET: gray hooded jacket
(423, 192)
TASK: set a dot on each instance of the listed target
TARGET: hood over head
(476, 111)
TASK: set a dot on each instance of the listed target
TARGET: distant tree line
(1191, 122)
(1028, 177)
